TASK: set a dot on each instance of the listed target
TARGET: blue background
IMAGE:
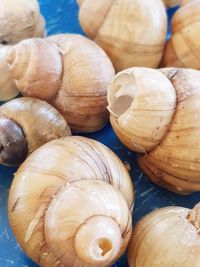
(62, 16)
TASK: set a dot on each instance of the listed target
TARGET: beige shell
(36, 67)
(69, 71)
(157, 113)
(166, 237)
(39, 121)
(67, 213)
(20, 19)
(183, 49)
(132, 32)
(8, 89)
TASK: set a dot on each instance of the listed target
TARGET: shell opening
(105, 245)
(98, 241)
(121, 94)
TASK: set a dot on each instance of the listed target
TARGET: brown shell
(39, 121)
(132, 32)
(75, 171)
(161, 120)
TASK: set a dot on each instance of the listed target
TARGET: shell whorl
(139, 115)
(71, 166)
(172, 160)
(131, 32)
(95, 232)
(69, 71)
(36, 66)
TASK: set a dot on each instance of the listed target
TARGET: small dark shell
(13, 145)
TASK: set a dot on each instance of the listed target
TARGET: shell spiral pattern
(69, 71)
(156, 113)
(81, 196)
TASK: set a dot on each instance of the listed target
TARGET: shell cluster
(72, 199)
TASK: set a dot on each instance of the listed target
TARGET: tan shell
(183, 49)
(132, 32)
(36, 67)
(69, 71)
(75, 171)
(20, 19)
(39, 121)
(166, 237)
(159, 117)
(8, 89)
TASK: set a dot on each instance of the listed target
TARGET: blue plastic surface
(62, 16)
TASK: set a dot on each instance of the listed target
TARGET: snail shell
(166, 237)
(70, 72)
(132, 32)
(156, 113)
(183, 49)
(20, 21)
(26, 124)
(76, 194)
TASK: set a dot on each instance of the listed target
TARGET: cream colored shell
(39, 121)
(62, 209)
(8, 88)
(183, 49)
(132, 32)
(69, 71)
(166, 237)
(156, 113)
(20, 19)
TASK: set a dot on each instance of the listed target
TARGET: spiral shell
(132, 32)
(157, 113)
(8, 89)
(39, 122)
(75, 171)
(166, 237)
(36, 67)
(70, 72)
(20, 21)
(183, 49)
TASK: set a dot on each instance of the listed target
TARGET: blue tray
(62, 16)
